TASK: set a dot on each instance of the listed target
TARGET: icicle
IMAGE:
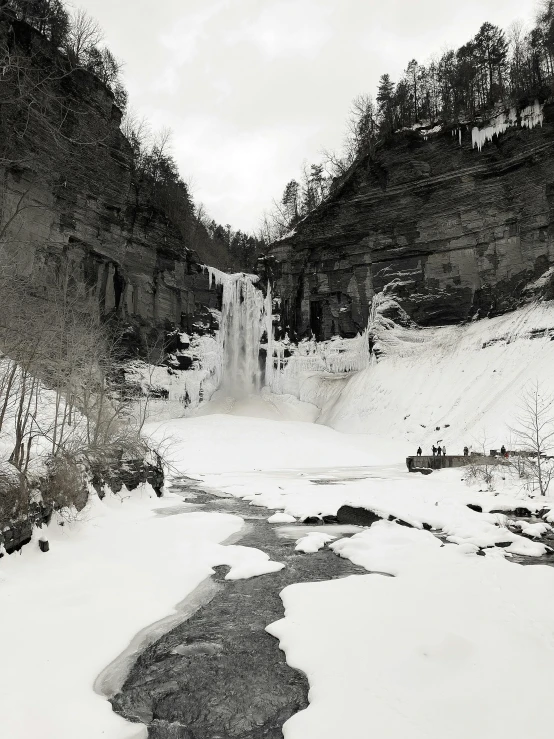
(460, 136)
(532, 115)
(498, 125)
(268, 315)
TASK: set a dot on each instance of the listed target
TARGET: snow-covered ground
(453, 645)
(448, 646)
(306, 470)
(65, 615)
(457, 384)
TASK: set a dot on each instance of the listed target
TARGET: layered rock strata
(450, 232)
(68, 199)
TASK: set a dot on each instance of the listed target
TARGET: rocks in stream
(475, 507)
(518, 512)
(347, 514)
(312, 520)
(220, 675)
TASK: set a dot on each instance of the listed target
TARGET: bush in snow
(64, 486)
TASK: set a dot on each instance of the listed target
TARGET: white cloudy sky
(252, 88)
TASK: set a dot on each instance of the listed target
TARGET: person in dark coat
(439, 451)
(419, 451)
(503, 450)
(434, 450)
(466, 451)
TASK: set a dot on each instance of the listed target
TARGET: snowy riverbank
(450, 643)
(452, 635)
(67, 614)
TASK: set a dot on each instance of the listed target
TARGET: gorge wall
(450, 232)
(67, 195)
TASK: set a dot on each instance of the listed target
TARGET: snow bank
(308, 470)
(68, 613)
(447, 647)
(246, 562)
(313, 542)
(459, 385)
(281, 518)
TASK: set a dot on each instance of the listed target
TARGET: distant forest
(494, 69)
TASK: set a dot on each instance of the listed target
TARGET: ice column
(245, 318)
(529, 117)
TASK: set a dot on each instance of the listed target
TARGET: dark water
(220, 674)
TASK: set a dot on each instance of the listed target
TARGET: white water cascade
(246, 318)
(246, 326)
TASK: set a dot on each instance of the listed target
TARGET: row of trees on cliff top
(157, 183)
(78, 35)
(495, 67)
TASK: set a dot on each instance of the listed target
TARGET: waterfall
(246, 316)
(246, 326)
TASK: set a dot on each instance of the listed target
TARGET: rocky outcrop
(67, 197)
(446, 230)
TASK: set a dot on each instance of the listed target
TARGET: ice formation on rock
(430, 131)
(245, 322)
(498, 125)
(532, 115)
(529, 117)
(291, 363)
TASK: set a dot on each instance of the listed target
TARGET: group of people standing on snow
(437, 451)
(441, 451)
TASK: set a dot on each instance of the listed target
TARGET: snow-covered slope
(466, 380)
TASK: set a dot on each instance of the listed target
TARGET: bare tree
(336, 164)
(534, 431)
(84, 35)
(481, 469)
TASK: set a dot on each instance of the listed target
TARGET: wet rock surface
(220, 674)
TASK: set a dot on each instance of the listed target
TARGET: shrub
(64, 485)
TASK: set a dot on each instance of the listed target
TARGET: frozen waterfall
(246, 327)
(246, 318)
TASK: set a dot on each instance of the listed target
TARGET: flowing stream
(217, 672)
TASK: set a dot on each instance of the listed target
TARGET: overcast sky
(252, 88)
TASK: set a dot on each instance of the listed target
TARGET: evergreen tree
(491, 52)
(290, 200)
(385, 93)
(412, 73)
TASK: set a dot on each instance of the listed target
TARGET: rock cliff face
(447, 230)
(66, 197)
